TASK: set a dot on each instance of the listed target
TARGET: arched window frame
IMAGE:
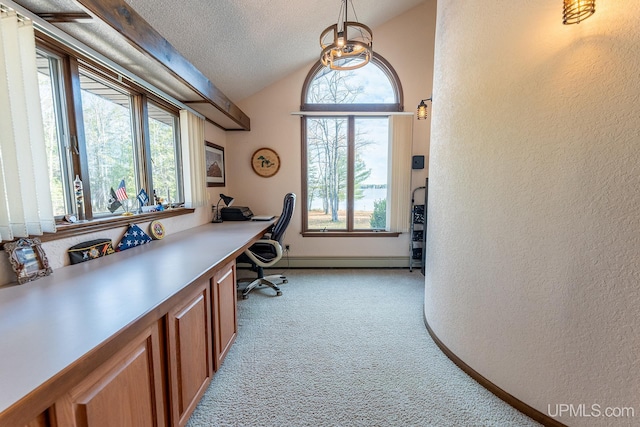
(381, 63)
(331, 110)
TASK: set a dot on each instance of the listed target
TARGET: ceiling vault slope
(125, 20)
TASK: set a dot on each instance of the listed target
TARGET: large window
(55, 131)
(346, 144)
(371, 170)
(165, 156)
(105, 130)
(108, 130)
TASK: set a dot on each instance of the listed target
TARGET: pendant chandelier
(346, 45)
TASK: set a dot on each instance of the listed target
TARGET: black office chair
(268, 250)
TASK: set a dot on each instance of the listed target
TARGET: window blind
(193, 159)
(25, 198)
(400, 150)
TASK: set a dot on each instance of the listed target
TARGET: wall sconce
(228, 200)
(575, 11)
(422, 109)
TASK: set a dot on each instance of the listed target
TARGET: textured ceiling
(243, 46)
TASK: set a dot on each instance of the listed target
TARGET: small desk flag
(113, 202)
(121, 192)
(143, 197)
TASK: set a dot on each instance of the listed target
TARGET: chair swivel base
(267, 281)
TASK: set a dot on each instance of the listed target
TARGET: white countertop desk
(51, 326)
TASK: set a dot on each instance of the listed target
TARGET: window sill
(86, 227)
(350, 234)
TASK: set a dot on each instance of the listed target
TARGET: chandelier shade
(575, 11)
(422, 109)
(346, 45)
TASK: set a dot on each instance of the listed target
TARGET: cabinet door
(225, 321)
(189, 350)
(41, 421)
(125, 391)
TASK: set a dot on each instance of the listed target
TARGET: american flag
(121, 192)
(134, 236)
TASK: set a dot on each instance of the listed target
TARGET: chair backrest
(277, 232)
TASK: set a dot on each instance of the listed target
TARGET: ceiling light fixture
(422, 109)
(577, 10)
(346, 45)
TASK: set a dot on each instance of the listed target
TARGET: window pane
(163, 144)
(372, 88)
(370, 173)
(366, 85)
(109, 141)
(326, 173)
(50, 91)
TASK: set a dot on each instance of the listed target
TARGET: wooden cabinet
(130, 389)
(189, 352)
(41, 421)
(138, 352)
(225, 321)
(125, 391)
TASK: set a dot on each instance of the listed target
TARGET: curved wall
(534, 201)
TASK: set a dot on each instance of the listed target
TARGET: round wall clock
(265, 162)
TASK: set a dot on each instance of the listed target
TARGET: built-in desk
(59, 330)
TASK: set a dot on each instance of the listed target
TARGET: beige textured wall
(407, 43)
(534, 211)
(273, 126)
(56, 250)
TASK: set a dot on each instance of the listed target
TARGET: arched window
(346, 166)
(374, 87)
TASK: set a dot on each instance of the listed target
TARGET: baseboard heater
(343, 262)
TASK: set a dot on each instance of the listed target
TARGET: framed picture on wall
(214, 165)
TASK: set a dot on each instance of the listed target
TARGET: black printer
(236, 213)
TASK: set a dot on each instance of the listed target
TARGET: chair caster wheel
(245, 296)
(279, 293)
(285, 281)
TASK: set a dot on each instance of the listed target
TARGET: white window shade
(400, 150)
(25, 198)
(193, 159)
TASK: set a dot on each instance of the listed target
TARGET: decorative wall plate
(265, 162)
(156, 229)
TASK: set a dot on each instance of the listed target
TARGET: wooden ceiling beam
(120, 16)
(56, 17)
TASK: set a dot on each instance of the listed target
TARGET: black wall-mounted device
(417, 162)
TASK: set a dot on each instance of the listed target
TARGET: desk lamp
(228, 201)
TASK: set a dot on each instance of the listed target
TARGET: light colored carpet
(343, 348)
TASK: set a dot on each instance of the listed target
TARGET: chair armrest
(261, 262)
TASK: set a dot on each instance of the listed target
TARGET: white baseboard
(344, 262)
